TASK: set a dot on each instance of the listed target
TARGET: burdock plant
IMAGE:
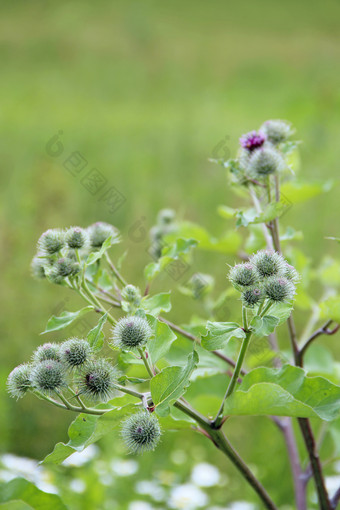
(142, 388)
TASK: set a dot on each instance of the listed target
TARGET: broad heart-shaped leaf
(171, 383)
(93, 257)
(66, 318)
(287, 391)
(20, 489)
(263, 326)
(87, 429)
(157, 304)
(218, 333)
(161, 341)
(96, 336)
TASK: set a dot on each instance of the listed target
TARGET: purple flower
(252, 140)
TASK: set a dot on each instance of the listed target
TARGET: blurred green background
(146, 91)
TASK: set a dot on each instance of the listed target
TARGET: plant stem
(95, 301)
(321, 331)
(265, 229)
(146, 362)
(115, 270)
(304, 423)
(266, 308)
(235, 376)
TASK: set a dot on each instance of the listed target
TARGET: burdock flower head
(48, 376)
(141, 432)
(252, 140)
(51, 241)
(76, 238)
(47, 351)
(265, 161)
(252, 296)
(279, 289)
(99, 232)
(243, 275)
(268, 263)
(97, 380)
(19, 381)
(277, 131)
(131, 332)
(75, 352)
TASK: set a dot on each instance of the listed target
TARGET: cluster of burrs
(267, 276)
(70, 370)
(60, 251)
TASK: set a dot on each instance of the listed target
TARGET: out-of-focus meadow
(146, 91)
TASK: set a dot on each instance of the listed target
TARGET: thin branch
(194, 338)
(323, 330)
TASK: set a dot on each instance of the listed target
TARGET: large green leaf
(162, 339)
(294, 191)
(219, 333)
(96, 336)
(263, 326)
(87, 429)
(157, 304)
(20, 489)
(171, 383)
(287, 391)
(66, 318)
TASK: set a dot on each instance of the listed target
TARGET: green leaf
(219, 333)
(94, 256)
(171, 383)
(295, 192)
(25, 491)
(66, 318)
(263, 326)
(330, 308)
(162, 339)
(226, 212)
(281, 311)
(157, 304)
(176, 420)
(287, 391)
(96, 336)
(87, 429)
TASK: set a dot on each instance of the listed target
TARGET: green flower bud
(48, 376)
(76, 238)
(47, 351)
(131, 332)
(277, 131)
(66, 267)
(279, 289)
(19, 381)
(131, 294)
(291, 273)
(252, 296)
(99, 232)
(243, 275)
(75, 352)
(141, 432)
(265, 161)
(38, 268)
(51, 241)
(97, 380)
(268, 263)
(166, 216)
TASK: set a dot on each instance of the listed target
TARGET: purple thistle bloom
(252, 140)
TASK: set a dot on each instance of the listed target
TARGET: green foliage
(96, 336)
(219, 333)
(86, 430)
(170, 384)
(285, 392)
(65, 319)
(21, 490)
